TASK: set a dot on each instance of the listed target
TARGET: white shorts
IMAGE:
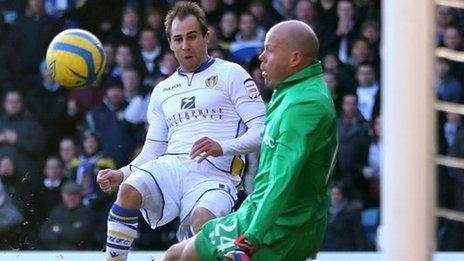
(173, 186)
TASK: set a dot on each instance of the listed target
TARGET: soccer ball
(75, 58)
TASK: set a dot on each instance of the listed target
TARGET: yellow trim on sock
(120, 234)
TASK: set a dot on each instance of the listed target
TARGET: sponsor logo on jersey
(212, 81)
(187, 103)
(252, 89)
(175, 86)
(195, 114)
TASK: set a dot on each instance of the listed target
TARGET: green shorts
(280, 243)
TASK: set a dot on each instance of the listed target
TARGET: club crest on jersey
(211, 81)
(252, 89)
(187, 103)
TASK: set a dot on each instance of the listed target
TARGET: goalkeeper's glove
(243, 252)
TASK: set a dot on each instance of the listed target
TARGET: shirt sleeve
(298, 137)
(158, 129)
(245, 94)
(247, 101)
(156, 140)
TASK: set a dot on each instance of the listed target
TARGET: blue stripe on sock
(124, 212)
(135, 221)
(117, 246)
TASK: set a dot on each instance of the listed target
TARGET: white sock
(122, 229)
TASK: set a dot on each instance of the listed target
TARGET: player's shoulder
(167, 83)
(225, 66)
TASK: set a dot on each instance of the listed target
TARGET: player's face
(274, 60)
(187, 43)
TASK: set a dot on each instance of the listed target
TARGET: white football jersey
(215, 101)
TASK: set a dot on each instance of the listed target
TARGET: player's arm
(297, 139)
(245, 96)
(154, 146)
(156, 140)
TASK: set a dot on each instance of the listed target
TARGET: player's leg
(149, 189)
(123, 222)
(189, 253)
(204, 202)
(199, 217)
(175, 251)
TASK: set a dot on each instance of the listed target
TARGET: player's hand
(204, 148)
(109, 180)
(244, 250)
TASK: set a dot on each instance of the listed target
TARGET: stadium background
(50, 135)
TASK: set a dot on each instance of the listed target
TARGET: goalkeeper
(285, 216)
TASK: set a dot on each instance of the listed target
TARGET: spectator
(137, 107)
(360, 52)
(154, 18)
(445, 17)
(346, 30)
(284, 8)
(368, 91)
(344, 228)
(20, 189)
(448, 86)
(5, 74)
(148, 56)
(212, 10)
(256, 74)
(370, 30)
(371, 171)
(107, 121)
(34, 24)
(347, 82)
(332, 84)
(124, 60)
(16, 137)
(48, 195)
(327, 12)
(110, 54)
(68, 155)
(248, 41)
(91, 160)
(353, 136)
(453, 231)
(128, 33)
(47, 102)
(263, 16)
(10, 220)
(228, 28)
(168, 64)
(452, 38)
(306, 12)
(450, 128)
(70, 224)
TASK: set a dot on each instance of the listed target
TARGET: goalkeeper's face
(274, 59)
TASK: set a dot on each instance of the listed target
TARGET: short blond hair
(183, 9)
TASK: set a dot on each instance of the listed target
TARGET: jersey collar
(310, 71)
(200, 68)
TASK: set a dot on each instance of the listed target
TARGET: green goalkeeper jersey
(297, 156)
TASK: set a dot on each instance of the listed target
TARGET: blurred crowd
(53, 140)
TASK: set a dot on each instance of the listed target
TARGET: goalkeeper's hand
(243, 252)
